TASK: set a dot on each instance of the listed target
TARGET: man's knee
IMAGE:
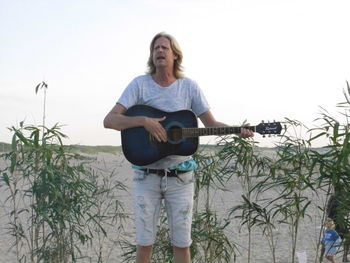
(143, 254)
(182, 254)
(181, 250)
(144, 248)
(144, 251)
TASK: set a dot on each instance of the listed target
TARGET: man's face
(163, 55)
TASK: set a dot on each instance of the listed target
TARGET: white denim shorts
(177, 192)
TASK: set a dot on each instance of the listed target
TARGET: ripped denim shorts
(177, 193)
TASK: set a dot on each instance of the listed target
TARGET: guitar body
(142, 149)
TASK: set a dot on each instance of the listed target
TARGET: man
(165, 88)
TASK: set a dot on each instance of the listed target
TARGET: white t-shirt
(182, 94)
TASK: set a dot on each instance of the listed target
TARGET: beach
(221, 199)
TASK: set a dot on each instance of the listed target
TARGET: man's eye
(158, 47)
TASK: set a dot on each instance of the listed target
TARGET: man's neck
(163, 78)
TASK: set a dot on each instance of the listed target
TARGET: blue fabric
(331, 240)
(330, 236)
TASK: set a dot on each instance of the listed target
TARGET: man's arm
(116, 120)
(208, 120)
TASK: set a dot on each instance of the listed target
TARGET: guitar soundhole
(174, 134)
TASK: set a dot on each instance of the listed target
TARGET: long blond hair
(178, 69)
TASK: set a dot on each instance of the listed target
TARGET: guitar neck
(196, 132)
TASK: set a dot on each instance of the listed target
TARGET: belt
(162, 172)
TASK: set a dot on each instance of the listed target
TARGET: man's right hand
(155, 128)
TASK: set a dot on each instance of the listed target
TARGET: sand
(222, 201)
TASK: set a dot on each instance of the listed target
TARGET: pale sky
(254, 59)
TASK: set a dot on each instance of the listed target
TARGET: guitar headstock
(265, 128)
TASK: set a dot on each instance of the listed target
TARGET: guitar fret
(263, 129)
(195, 132)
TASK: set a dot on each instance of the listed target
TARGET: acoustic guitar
(141, 148)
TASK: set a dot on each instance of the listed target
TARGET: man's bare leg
(143, 254)
(330, 258)
(182, 255)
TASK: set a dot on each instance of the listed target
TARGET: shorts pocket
(185, 178)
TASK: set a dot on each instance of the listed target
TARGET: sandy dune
(220, 200)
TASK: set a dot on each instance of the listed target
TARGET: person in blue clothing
(331, 240)
(338, 210)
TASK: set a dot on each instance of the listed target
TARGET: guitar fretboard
(195, 132)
